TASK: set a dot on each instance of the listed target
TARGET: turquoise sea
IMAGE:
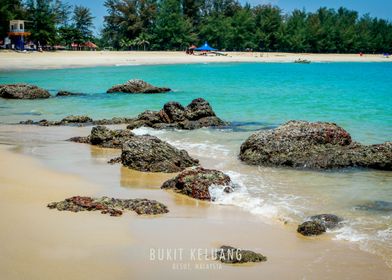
(357, 96)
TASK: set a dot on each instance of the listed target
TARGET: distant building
(17, 34)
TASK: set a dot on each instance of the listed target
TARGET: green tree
(83, 21)
(269, 27)
(9, 10)
(172, 31)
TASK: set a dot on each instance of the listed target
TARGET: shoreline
(12, 61)
(67, 240)
(72, 242)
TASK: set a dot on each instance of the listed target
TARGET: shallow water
(357, 96)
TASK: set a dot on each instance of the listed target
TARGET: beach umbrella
(205, 48)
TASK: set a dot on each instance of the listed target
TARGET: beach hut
(90, 45)
(205, 48)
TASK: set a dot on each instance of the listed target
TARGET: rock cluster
(196, 182)
(317, 145)
(23, 91)
(111, 206)
(231, 255)
(319, 224)
(137, 86)
(81, 120)
(197, 114)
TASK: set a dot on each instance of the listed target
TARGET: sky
(376, 8)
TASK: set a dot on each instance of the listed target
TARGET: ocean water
(357, 96)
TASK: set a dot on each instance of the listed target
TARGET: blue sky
(376, 8)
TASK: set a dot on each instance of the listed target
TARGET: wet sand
(67, 59)
(38, 243)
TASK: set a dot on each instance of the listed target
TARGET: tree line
(51, 22)
(225, 24)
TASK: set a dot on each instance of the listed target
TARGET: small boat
(302, 61)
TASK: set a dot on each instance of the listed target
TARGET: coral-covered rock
(111, 206)
(196, 182)
(317, 145)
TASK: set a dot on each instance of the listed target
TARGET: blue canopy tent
(205, 48)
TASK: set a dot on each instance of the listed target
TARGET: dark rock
(199, 108)
(80, 139)
(115, 160)
(309, 228)
(137, 86)
(111, 206)
(197, 114)
(79, 121)
(330, 221)
(195, 182)
(103, 137)
(316, 145)
(76, 119)
(150, 154)
(62, 93)
(378, 206)
(228, 254)
(23, 91)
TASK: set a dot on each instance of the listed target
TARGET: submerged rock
(137, 86)
(228, 254)
(23, 91)
(197, 114)
(330, 221)
(150, 154)
(63, 93)
(378, 205)
(196, 182)
(111, 206)
(309, 228)
(78, 121)
(317, 145)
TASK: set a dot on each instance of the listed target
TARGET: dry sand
(62, 59)
(38, 243)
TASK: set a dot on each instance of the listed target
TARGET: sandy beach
(38, 243)
(68, 59)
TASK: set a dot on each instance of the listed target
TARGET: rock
(228, 254)
(137, 86)
(103, 137)
(317, 145)
(198, 109)
(115, 160)
(197, 114)
(80, 139)
(23, 91)
(150, 154)
(76, 119)
(309, 228)
(111, 206)
(79, 121)
(195, 182)
(377, 205)
(62, 93)
(330, 221)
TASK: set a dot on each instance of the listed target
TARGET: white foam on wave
(242, 198)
